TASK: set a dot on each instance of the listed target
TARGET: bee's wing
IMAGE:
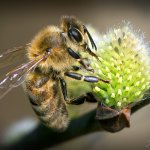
(12, 55)
(17, 76)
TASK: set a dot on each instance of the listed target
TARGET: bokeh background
(20, 21)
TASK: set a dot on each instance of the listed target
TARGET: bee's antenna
(92, 53)
(90, 37)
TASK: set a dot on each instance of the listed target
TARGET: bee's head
(77, 32)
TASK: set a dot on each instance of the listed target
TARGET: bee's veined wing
(17, 76)
(12, 55)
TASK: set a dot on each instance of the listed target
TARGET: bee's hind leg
(88, 97)
(76, 101)
(64, 88)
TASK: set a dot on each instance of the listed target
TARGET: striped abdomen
(47, 100)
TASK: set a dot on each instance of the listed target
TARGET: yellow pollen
(107, 69)
(119, 92)
(139, 74)
(109, 76)
(128, 71)
(107, 101)
(99, 72)
(137, 83)
(118, 68)
(121, 54)
(138, 93)
(119, 104)
(112, 64)
(109, 47)
(127, 88)
(117, 75)
(143, 80)
(113, 95)
(97, 89)
(120, 80)
(124, 99)
(143, 87)
(130, 78)
(96, 65)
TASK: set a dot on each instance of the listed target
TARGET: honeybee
(51, 55)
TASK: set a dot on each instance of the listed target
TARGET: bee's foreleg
(79, 59)
(73, 53)
(75, 68)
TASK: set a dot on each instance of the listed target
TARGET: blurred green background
(20, 21)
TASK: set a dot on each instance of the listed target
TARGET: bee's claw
(91, 70)
(106, 81)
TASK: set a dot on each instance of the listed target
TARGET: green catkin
(124, 61)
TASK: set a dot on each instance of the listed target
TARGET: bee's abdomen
(52, 116)
(48, 103)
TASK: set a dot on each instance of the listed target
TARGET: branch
(42, 137)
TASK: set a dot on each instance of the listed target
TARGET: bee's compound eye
(75, 34)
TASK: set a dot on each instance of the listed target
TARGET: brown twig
(42, 137)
